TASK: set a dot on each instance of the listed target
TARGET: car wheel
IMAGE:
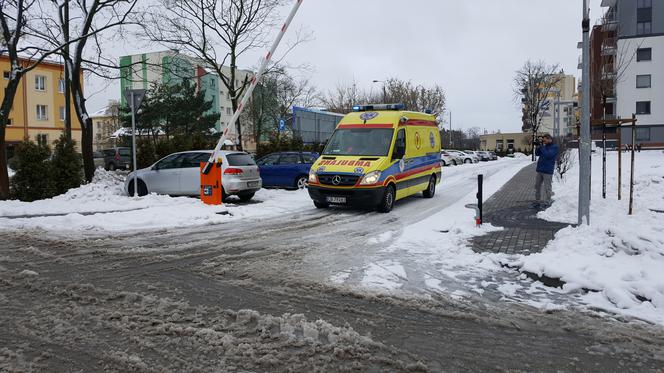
(142, 189)
(321, 205)
(387, 202)
(444, 163)
(301, 182)
(431, 188)
(224, 196)
(111, 167)
(454, 162)
(245, 196)
(467, 160)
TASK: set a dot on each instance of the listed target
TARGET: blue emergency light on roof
(379, 107)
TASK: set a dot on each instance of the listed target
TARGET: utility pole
(584, 143)
(67, 87)
(450, 128)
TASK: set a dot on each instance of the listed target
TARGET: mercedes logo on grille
(336, 180)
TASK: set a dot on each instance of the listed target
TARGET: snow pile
(101, 206)
(436, 249)
(619, 258)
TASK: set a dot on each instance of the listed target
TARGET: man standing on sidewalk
(547, 152)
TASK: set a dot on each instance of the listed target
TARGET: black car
(117, 159)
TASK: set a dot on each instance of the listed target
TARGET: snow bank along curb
(620, 258)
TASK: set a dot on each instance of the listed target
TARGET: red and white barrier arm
(254, 82)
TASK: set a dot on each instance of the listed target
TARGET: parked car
(286, 169)
(98, 158)
(117, 159)
(478, 156)
(457, 156)
(179, 174)
(446, 159)
(466, 158)
(484, 156)
(493, 155)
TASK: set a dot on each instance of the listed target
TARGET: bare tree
(218, 33)
(414, 97)
(24, 54)
(274, 99)
(84, 32)
(533, 84)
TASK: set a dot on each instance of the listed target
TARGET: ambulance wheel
(142, 188)
(431, 188)
(321, 205)
(387, 202)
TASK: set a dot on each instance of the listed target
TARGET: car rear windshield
(240, 159)
(360, 141)
(124, 152)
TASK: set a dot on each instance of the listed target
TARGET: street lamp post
(584, 143)
(384, 91)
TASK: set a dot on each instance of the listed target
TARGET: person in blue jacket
(547, 152)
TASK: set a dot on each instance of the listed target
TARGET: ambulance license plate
(336, 199)
(252, 184)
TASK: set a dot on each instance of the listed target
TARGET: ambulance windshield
(360, 141)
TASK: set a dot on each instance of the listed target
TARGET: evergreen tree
(33, 178)
(67, 165)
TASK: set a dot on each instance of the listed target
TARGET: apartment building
(632, 67)
(105, 122)
(38, 112)
(558, 118)
(139, 71)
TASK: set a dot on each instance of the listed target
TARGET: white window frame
(42, 114)
(62, 113)
(6, 74)
(40, 79)
(61, 85)
(643, 76)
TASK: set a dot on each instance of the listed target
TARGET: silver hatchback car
(178, 174)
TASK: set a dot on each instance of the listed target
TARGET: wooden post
(631, 173)
(619, 162)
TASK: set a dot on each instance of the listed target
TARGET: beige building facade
(508, 142)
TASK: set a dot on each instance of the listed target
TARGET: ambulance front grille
(343, 180)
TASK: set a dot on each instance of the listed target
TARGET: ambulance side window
(400, 145)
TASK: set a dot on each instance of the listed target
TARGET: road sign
(138, 95)
(282, 125)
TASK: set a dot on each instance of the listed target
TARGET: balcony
(610, 20)
(608, 73)
(580, 65)
(609, 47)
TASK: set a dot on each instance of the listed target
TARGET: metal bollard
(478, 206)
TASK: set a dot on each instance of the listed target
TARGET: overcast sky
(471, 48)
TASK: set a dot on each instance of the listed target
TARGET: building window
(644, 17)
(642, 134)
(62, 113)
(61, 86)
(643, 107)
(5, 74)
(41, 112)
(644, 54)
(9, 122)
(643, 81)
(42, 139)
(40, 82)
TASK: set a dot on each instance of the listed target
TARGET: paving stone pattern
(510, 207)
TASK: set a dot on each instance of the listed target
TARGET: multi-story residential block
(632, 67)
(38, 112)
(105, 122)
(141, 70)
(558, 118)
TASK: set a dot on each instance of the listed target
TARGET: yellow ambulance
(377, 154)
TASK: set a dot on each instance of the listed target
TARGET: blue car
(286, 169)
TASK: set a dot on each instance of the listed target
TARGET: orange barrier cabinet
(211, 190)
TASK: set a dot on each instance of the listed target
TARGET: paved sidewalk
(510, 207)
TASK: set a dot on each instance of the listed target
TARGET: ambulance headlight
(313, 178)
(370, 178)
